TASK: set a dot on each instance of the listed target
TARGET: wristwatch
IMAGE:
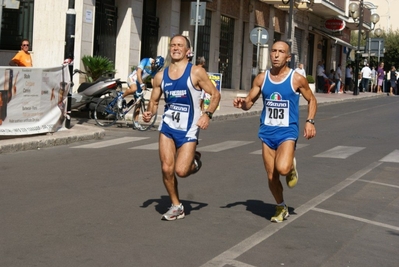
(209, 114)
(310, 121)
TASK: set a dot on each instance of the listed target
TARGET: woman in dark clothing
(393, 78)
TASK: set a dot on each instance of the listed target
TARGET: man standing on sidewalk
(348, 78)
(321, 76)
(366, 76)
(280, 88)
(338, 77)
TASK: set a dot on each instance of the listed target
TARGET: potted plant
(311, 83)
(97, 67)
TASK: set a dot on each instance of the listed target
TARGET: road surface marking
(112, 142)
(357, 219)
(383, 184)
(392, 157)
(340, 152)
(223, 146)
(271, 228)
(259, 152)
(152, 146)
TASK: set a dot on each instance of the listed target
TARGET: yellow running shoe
(281, 214)
(292, 177)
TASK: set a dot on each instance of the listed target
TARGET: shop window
(16, 25)
(204, 38)
(226, 50)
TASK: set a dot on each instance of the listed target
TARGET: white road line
(357, 219)
(392, 157)
(271, 228)
(112, 142)
(153, 146)
(234, 263)
(340, 152)
(259, 152)
(223, 146)
(298, 146)
(383, 184)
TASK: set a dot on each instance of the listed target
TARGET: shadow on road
(259, 208)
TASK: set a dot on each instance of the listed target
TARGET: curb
(63, 137)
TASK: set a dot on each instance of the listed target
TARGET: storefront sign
(216, 79)
(335, 25)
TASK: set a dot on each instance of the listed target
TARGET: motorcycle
(88, 93)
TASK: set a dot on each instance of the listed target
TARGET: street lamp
(378, 32)
(356, 12)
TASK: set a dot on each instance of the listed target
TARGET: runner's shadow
(163, 204)
(259, 208)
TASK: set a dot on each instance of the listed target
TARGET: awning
(336, 40)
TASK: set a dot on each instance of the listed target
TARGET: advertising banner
(216, 79)
(32, 100)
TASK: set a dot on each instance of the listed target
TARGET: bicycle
(107, 112)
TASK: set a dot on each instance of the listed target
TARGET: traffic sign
(259, 36)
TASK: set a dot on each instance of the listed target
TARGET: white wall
(387, 10)
(49, 33)
(168, 13)
(128, 40)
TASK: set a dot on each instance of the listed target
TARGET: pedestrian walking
(181, 84)
(280, 88)
(380, 78)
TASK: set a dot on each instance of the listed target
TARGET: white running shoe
(174, 213)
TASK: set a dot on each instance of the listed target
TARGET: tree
(391, 47)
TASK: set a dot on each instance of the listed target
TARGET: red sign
(335, 24)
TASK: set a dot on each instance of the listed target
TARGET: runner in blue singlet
(181, 84)
(182, 108)
(280, 114)
(280, 88)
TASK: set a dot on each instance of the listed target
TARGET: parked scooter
(88, 93)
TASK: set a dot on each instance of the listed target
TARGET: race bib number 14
(277, 113)
(177, 116)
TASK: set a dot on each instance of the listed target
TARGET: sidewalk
(79, 132)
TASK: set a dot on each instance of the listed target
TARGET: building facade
(127, 30)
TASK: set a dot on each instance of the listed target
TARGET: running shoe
(197, 162)
(292, 177)
(174, 213)
(137, 126)
(281, 214)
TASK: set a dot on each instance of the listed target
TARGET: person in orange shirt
(22, 58)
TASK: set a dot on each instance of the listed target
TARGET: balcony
(322, 8)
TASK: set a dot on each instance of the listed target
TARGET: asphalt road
(99, 203)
